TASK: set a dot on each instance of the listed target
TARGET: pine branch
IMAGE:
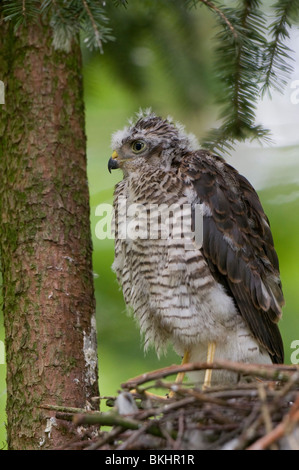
(20, 12)
(67, 19)
(120, 2)
(277, 57)
(221, 14)
(95, 26)
(246, 65)
(64, 20)
(239, 67)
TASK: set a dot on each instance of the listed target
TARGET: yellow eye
(138, 146)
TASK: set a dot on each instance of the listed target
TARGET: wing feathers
(238, 244)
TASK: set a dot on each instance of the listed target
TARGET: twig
(222, 16)
(265, 409)
(64, 416)
(181, 427)
(105, 440)
(168, 408)
(282, 429)
(106, 419)
(266, 371)
(114, 419)
(255, 415)
(201, 397)
(67, 409)
(134, 436)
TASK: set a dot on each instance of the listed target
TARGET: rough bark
(45, 237)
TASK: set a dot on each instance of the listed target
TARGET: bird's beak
(113, 163)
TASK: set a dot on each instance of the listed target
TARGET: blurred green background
(165, 62)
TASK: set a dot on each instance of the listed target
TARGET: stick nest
(260, 412)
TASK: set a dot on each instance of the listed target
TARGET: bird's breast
(164, 276)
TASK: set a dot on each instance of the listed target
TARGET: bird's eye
(138, 146)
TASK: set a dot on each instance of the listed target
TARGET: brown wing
(238, 245)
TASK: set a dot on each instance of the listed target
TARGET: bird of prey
(220, 299)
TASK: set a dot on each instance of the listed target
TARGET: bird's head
(149, 141)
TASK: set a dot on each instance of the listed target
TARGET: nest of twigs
(260, 412)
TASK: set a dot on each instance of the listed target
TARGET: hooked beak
(113, 163)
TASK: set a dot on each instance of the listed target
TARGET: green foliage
(248, 62)
(174, 40)
(67, 18)
(251, 54)
(20, 12)
(120, 2)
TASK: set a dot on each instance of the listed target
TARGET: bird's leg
(180, 377)
(210, 358)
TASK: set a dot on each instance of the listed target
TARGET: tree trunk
(45, 238)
